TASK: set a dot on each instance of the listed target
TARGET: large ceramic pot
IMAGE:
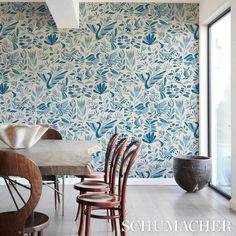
(192, 173)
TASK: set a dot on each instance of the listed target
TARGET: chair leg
(123, 229)
(88, 219)
(120, 222)
(81, 224)
(40, 233)
(78, 210)
(114, 222)
(77, 214)
(124, 233)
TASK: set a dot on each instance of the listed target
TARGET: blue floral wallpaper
(131, 68)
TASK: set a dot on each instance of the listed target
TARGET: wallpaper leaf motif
(130, 68)
(7, 29)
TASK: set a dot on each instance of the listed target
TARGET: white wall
(208, 11)
(233, 102)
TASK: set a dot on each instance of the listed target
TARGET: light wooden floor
(155, 203)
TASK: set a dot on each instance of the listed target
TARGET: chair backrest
(52, 134)
(117, 154)
(128, 159)
(110, 147)
(14, 164)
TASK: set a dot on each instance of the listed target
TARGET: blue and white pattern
(131, 68)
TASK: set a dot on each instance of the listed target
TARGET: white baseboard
(131, 181)
(134, 181)
(151, 181)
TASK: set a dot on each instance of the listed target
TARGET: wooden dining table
(60, 157)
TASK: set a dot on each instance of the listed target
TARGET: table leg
(63, 193)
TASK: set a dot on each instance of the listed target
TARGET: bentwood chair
(116, 203)
(13, 223)
(106, 185)
(99, 175)
(53, 179)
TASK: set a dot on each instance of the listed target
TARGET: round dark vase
(192, 173)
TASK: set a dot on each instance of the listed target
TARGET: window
(219, 45)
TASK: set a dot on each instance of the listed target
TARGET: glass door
(219, 42)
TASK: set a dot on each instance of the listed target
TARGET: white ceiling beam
(65, 12)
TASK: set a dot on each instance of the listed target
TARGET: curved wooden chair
(116, 203)
(52, 179)
(13, 164)
(99, 186)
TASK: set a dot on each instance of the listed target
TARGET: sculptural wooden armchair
(13, 223)
(116, 203)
